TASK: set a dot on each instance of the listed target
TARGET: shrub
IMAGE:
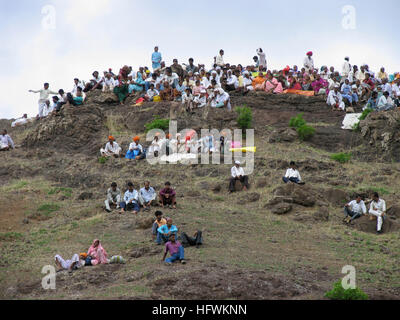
(356, 127)
(157, 123)
(339, 293)
(245, 117)
(103, 160)
(297, 122)
(48, 208)
(305, 132)
(365, 113)
(341, 157)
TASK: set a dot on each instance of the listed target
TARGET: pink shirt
(172, 247)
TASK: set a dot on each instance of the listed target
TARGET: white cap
(237, 162)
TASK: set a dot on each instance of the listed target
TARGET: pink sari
(271, 84)
(98, 254)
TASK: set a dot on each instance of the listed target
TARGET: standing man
(378, 209)
(237, 173)
(219, 60)
(309, 62)
(346, 68)
(113, 197)
(156, 59)
(354, 210)
(44, 96)
(262, 60)
(6, 142)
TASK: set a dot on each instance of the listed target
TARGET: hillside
(53, 188)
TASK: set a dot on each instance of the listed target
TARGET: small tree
(341, 157)
(297, 121)
(245, 117)
(339, 293)
(157, 123)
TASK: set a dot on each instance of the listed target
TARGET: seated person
(187, 100)
(147, 196)
(113, 197)
(168, 93)
(166, 230)
(77, 261)
(95, 83)
(335, 99)
(176, 251)
(151, 93)
(109, 83)
(187, 241)
(131, 200)
(385, 102)
(112, 148)
(155, 146)
(160, 221)
(168, 196)
(200, 100)
(135, 151)
(97, 253)
(354, 210)
(292, 174)
(237, 173)
(6, 142)
(378, 209)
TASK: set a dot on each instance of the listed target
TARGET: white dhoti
(67, 264)
(142, 201)
(42, 109)
(110, 201)
(106, 153)
(378, 214)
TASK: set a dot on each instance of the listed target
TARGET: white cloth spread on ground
(350, 120)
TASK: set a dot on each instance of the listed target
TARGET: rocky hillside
(293, 244)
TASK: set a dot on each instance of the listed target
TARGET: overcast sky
(93, 35)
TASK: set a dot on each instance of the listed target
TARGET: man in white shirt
(232, 82)
(335, 99)
(20, 121)
(109, 83)
(44, 96)
(77, 84)
(262, 59)
(131, 200)
(378, 209)
(346, 67)
(237, 173)
(112, 148)
(354, 209)
(385, 102)
(219, 60)
(292, 174)
(6, 142)
(147, 196)
(309, 62)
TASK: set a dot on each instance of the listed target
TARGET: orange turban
(136, 139)
(83, 255)
(168, 136)
(111, 138)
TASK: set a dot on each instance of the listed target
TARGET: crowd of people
(196, 86)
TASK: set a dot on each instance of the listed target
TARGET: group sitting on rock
(134, 200)
(357, 208)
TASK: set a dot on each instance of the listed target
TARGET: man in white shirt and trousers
(44, 96)
(6, 142)
(293, 175)
(354, 209)
(378, 209)
(237, 173)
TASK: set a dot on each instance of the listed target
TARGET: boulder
(85, 196)
(366, 225)
(249, 198)
(336, 197)
(144, 223)
(322, 214)
(301, 195)
(283, 135)
(281, 208)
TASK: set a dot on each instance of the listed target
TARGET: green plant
(365, 113)
(245, 117)
(339, 293)
(356, 127)
(157, 123)
(103, 160)
(305, 132)
(341, 157)
(297, 121)
(48, 208)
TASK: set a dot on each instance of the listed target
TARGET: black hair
(158, 213)
(46, 84)
(191, 59)
(114, 184)
(376, 194)
(168, 183)
(130, 184)
(292, 163)
(79, 89)
(61, 91)
(56, 98)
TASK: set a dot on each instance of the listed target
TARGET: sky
(56, 41)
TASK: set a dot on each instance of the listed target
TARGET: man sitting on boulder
(112, 148)
(113, 197)
(378, 209)
(354, 210)
(167, 230)
(175, 249)
(131, 199)
(237, 173)
(160, 221)
(6, 142)
(147, 196)
(168, 196)
(293, 175)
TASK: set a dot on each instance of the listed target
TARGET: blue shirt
(156, 59)
(131, 196)
(164, 229)
(147, 195)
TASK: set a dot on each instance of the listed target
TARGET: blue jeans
(352, 214)
(177, 256)
(286, 180)
(130, 206)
